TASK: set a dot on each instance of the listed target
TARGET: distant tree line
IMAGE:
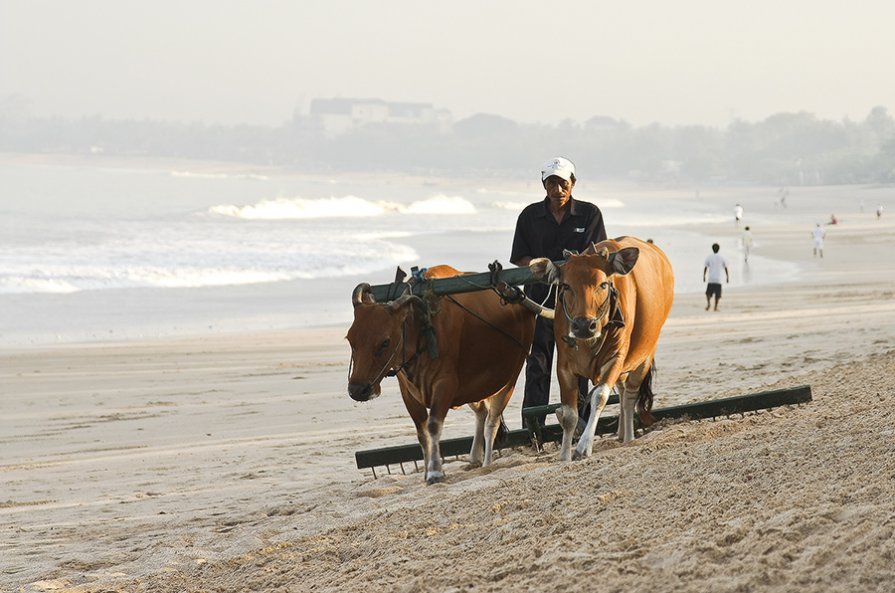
(784, 149)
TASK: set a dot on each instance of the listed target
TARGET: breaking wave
(344, 207)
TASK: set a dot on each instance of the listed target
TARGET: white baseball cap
(559, 166)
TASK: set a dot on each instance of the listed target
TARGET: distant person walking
(714, 264)
(783, 195)
(879, 212)
(747, 243)
(738, 214)
(818, 233)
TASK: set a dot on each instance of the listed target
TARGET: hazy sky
(687, 61)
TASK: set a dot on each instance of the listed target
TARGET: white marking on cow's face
(589, 342)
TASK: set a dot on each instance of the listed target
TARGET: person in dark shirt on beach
(545, 229)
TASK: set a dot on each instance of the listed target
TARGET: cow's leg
(434, 472)
(568, 387)
(628, 401)
(599, 395)
(479, 450)
(623, 412)
(419, 414)
(495, 405)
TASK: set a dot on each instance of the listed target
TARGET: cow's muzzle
(584, 328)
(362, 392)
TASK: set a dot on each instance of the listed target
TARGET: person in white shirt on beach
(747, 243)
(818, 233)
(714, 264)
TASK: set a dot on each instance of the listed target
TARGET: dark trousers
(538, 369)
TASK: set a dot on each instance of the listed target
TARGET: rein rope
(384, 371)
(488, 323)
(426, 339)
(604, 306)
(406, 362)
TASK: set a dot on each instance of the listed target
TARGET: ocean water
(97, 252)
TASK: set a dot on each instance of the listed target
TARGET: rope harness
(406, 362)
(488, 323)
(425, 338)
(608, 306)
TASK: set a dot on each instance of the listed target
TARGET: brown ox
(479, 345)
(611, 304)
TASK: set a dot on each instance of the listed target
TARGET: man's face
(558, 190)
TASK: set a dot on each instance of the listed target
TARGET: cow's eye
(604, 285)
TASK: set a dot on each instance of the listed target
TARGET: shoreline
(126, 314)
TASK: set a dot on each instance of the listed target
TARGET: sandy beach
(225, 463)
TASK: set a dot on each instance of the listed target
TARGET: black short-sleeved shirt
(539, 235)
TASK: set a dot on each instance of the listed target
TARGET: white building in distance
(339, 116)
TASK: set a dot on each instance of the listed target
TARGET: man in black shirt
(545, 229)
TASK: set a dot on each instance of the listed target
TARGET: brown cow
(465, 349)
(611, 304)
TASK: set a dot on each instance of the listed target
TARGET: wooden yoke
(383, 293)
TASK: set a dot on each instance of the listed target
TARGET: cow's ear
(622, 261)
(544, 270)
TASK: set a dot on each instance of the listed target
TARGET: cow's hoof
(434, 478)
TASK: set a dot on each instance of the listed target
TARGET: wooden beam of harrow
(536, 436)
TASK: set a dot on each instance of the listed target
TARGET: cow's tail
(502, 440)
(645, 396)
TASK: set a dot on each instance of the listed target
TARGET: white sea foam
(640, 220)
(301, 208)
(513, 206)
(519, 205)
(344, 207)
(440, 204)
(191, 174)
(204, 253)
(24, 284)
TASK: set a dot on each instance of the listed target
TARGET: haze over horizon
(690, 62)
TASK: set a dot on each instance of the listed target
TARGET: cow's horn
(407, 298)
(362, 294)
(537, 308)
(543, 269)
